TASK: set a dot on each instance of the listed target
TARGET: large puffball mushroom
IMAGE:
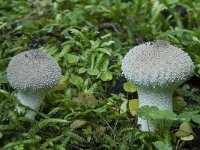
(156, 68)
(32, 73)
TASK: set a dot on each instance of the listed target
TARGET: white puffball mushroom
(156, 68)
(32, 73)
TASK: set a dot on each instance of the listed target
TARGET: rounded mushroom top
(157, 64)
(33, 70)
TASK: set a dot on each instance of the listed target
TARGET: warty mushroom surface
(32, 73)
(156, 68)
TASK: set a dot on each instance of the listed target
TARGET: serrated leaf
(133, 106)
(93, 72)
(129, 87)
(47, 121)
(77, 123)
(76, 80)
(106, 76)
(72, 59)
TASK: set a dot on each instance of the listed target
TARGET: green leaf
(129, 87)
(172, 1)
(162, 114)
(155, 11)
(178, 104)
(196, 118)
(3, 79)
(48, 121)
(3, 63)
(93, 72)
(143, 112)
(187, 116)
(76, 80)
(106, 36)
(106, 76)
(100, 110)
(82, 70)
(160, 145)
(72, 59)
(105, 50)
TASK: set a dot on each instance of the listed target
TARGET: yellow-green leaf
(72, 59)
(62, 85)
(106, 76)
(181, 133)
(178, 104)
(129, 87)
(93, 71)
(133, 106)
(186, 127)
(76, 80)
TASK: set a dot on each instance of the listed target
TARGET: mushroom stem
(32, 99)
(155, 96)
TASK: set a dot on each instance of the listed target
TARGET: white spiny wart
(32, 73)
(156, 68)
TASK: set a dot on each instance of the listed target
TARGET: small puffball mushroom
(156, 69)
(32, 73)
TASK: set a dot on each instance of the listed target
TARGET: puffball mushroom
(32, 73)
(156, 68)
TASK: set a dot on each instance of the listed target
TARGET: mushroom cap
(157, 64)
(33, 70)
